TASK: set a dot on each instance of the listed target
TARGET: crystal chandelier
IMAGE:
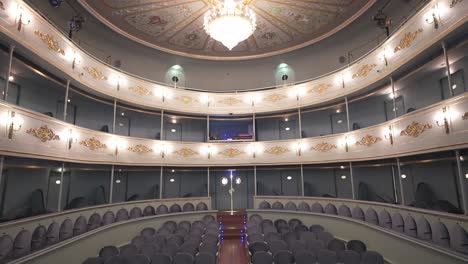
(230, 22)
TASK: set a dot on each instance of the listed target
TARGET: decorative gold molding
(232, 152)
(93, 144)
(186, 99)
(364, 70)
(275, 97)
(50, 41)
(186, 152)
(140, 90)
(415, 129)
(323, 147)
(465, 116)
(2, 7)
(140, 149)
(95, 73)
(407, 39)
(230, 101)
(320, 88)
(368, 140)
(43, 133)
(277, 150)
(454, 3)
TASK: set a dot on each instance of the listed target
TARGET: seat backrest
(385, 220)
(331, 209)
(336, 245)
(122, 215)
(160, 258)
(423, 229)
(440, 234)
(136, 213)
(283, 257)
(357, 213)
(255, 218)
(262, 257)
(305, 257)
(459, 239)
(22, 244)
(349, 257)
(205, 258)
(290, 206)
(66, 229)
(149, 211)
(303, 207)
(257, 247)
(264, 205)
(410, 226)
(80, 226)
(39, 237)
(316, 228)
(108, 218)
(6, 247)
(183, 258)
(162, 209)
(317, 208)
(371, 216)
(325, 256)
(277, 206)
(325, 237)
(372, 257)
(175, 208)
(94, 221)
(277, 245)
(188, 207)
(356, 245)
(397, 222)
(53, 233)
(344, 210)
(108, 251)
(128, 250)
(201, 206)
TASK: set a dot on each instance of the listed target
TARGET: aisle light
(385, 54)
(442, 118)
(11, 78)
(116, 144)
(207, 150)
(23, 18)
(73, 57)
(205, 99)
(70, 136)
(343, 78)
(346, 142)
(388, 134)
(12, 122)
(254, 148)
(163, 148)
(434, 16)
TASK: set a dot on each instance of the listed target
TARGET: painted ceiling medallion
(277, 150)
(324, 147)
(186, 152)
(320, 88)
(368, 140)
(140, 149)
(275, 98)
(232, 152)
(177, 26)
(229, 22)
(230, 101)
(364, 70)
(43, 133)
(140, 90)
(415, 129)
(50, 41)
(93, 144)
(407, 39)
(95, 73)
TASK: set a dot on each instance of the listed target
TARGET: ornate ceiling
(176, 26)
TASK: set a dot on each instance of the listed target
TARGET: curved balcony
(438, 127)
(419, 33)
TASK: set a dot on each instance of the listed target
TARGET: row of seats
(287, 242)
(455, 237)
(182, 243)
(26, 242)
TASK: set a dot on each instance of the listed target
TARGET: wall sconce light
(346, 142)
(165, 94)
(299, 146)
(116, 144)
(342, 78)
(253, 99)
(442, 119)
(297, 92)
(74, 57)
(71, 137)
(12, 123)
(22, 18)
(224, 181)
(207, 150)
(434, 15)
(388, 134)
(254, 148)
(205, 99)
(117, 80)
(385, 55)
(162, 149)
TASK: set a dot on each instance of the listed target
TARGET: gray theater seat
(183, 258)
(122, 215)
(264, 205)
(385, 220)
(357, 213)
(290, 206)
(349, 257)
(136, 213)
(160, 258)
(128, 250)
(262, 257)
(95, 260)
(325, 256)
(175, 208)
(459, 239)
(257, 247)
(66, 230)
(22, 244)
(336, 245)
(108, 252)
(372, 257)
(162, 209)
(317, 208)
(277, 245)
(188, 207)
(397, 223)
(53, 233)
(108, 218)
(423, 229)
(277, 206)
(205, 258)
(344, 210)
(283, 257)
(94, 221)
(371, 216)
(331, 209)
(201, 206)
(357, 246)
(305, 257)
(39, 238)
(149, 211)
(6, 247)
(303, 207)
(410, 226)
(80, 226)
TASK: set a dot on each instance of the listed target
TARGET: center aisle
(232, 244)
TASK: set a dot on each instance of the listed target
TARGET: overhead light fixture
(287, 129)
(453, 86)
(172, 170)
(289, 178)
(403, 176)
(173, 130)
(238, 180)
(224, 181)
(11, 78)
(286, 119)
(117, 181)
(172, 180)
(343, 177)
(230, 22)
(58, 182)
(342, 167)
(466, 175)
(174, 121)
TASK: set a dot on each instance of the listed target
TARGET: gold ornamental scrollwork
(275, 98)
(140, 149)
(364, 70)
(140, 90)
(230, 101)
(454, 3)
(95, 73)
(43, 133)
(2, 7)
(186, 152)
(415, 129)
(323, 147)
(465, 116)
(50, 41)
(232, 152)
(93, 144)
(186, 99)
(368, 140)
(277, 150)
(320, 88)
(407, 39)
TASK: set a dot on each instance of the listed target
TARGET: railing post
(395, 115)
(59, 203)
(302, 180)
(2, 188)
(115, 114)
(255, 180)
(461, 183)
(162, 125)
(353, 190)
(7, 80)
(447, 66)
(161, 183)
(395, 192)
(208, 128)
(400, 180)
(208, 182)
(65, 103)
(254, 127)
(347, 113)
(300, 123)
(111, 188)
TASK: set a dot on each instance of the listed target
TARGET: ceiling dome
(176, 26)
